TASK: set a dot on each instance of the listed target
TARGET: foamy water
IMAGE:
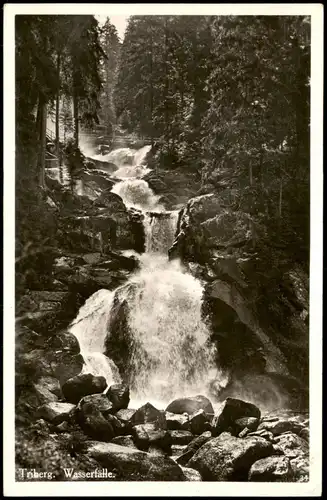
(173, 355)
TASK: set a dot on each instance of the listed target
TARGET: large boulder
(94, 417)
(190, 405)
(271, 469)
(193, 447)
(55, 412)
(200, 422)
(229, 412)
(135, 465)
(125, 415)
(119, 396)
(99, 402)
(227, 458)
(149, 414)
(147, 435)
(47, 389)
(82, 385)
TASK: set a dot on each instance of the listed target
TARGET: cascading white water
(159, 231)
(90, 328)
(172, 354)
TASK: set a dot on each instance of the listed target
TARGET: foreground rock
(271, 469)
(190, 405)
(151, 435)
(193, 447)
(83, 385)
(135, 465)
(93, 414)
(230, 412)
(149, 414)
(200, 422)
(118, 394)
(227, 458)
(55, 412)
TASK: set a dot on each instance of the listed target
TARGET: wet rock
(231, 410)
(93, 415)
(271, 469)
(125, 415)
(99, 402)
(227, 458)
(177, 422)
(135, 465)
(149, 414)
(119, 396)
(191, 474)
(47, 389)
(200, 422)
(82, 385)
(180, 437)
(190, 405)
(146, 435)
(193, 447)
(55, 412)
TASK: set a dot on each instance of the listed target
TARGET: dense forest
(206, 93)
(162, 246)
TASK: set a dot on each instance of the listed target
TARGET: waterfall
(90, 328)
(160, 229)
(172, 355)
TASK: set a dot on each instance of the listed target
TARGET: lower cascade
(171, 354)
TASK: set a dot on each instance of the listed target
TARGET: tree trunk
(151, 89)
(76, 124)
(57, 108)
(166, 86)
(43, 142)
(251, 174)
(280, 197)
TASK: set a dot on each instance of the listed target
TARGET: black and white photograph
(163, 218)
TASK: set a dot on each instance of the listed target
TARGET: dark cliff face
(256, 297)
